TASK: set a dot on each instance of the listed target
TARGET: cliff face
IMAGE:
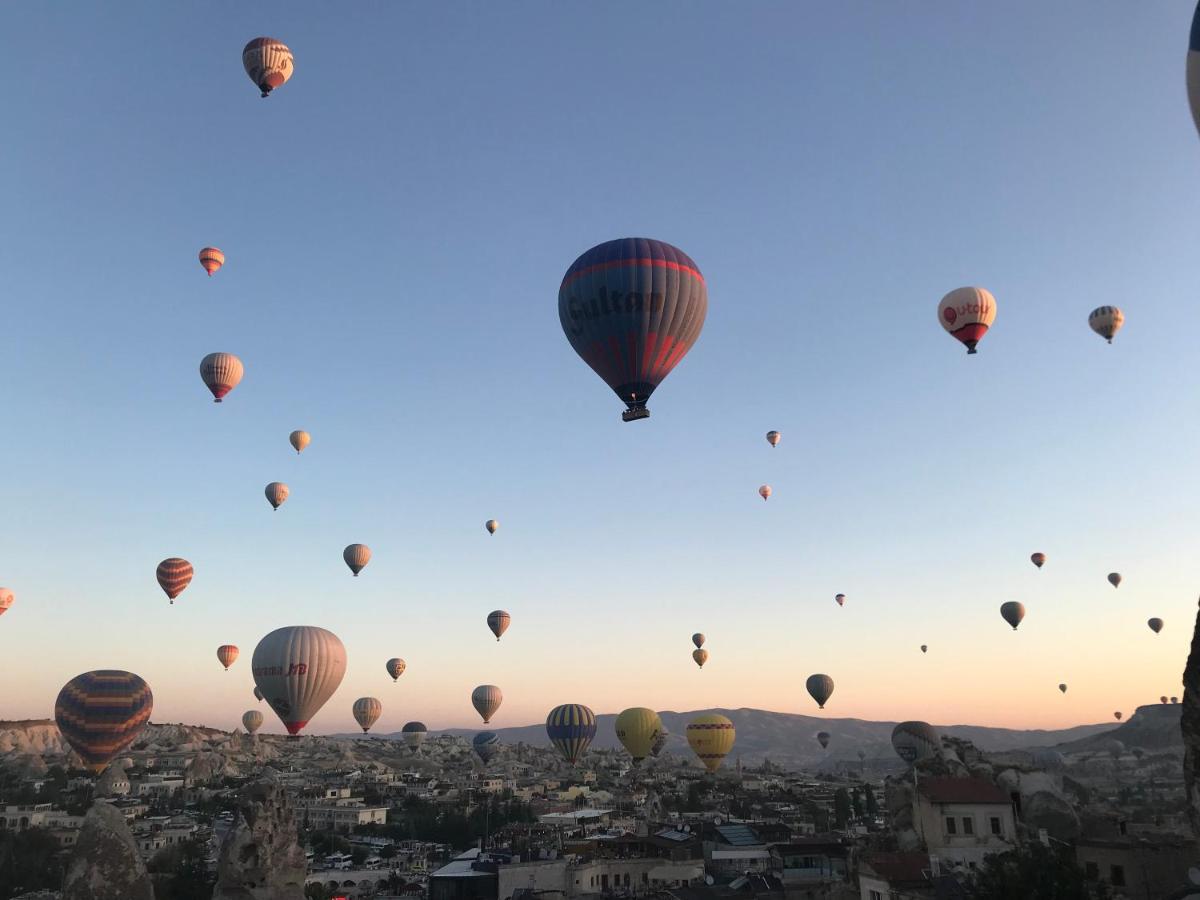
(1189, 724)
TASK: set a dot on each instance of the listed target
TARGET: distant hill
(790, 739)
(1154, 727)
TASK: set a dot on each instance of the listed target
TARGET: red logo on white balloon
(949, 315)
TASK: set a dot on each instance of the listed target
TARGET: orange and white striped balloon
(277, 492)
(268, 62)
(227, 654)
(212, 259)
(174, 575)
(221, 373)
(967, 313)
(357, 556)
(6, 600)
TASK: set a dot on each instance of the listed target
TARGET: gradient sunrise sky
(396, 222)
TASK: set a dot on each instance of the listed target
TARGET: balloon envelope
(823, 739)
(221, 373)
(711, 737)
(1106, 321)
(1114, 578)
(414, 734)
(486, 699)
(632, 309)
(498, 621)
(841, 599)
(698, 639)
(277, 493)
(268, 62)
(1156, 624)
(924, 648)
(1193, 67)
(227, 653)
(298, 668)
(101, 713)
(773, 438)
(914, 741)
(700, 657)
(174, 575)
(820, 688)
(765, 491)
(571, 728)
(1063, 688)
(366, 712)
(258, 694)
(300, 440)
(486, 745)
(212, 259)
(6, 600)
(1012, 613)
(356, 557)
(1118, 716)
(395, 667)
(967, 313)
(637, 729)
(252, 720)
(491, 525)
(1038, 559)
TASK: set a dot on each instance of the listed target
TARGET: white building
(962, 820)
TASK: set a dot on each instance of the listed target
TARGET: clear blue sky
(396, 221)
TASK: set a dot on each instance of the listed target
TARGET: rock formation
(105, 864)
(1189, 724)
(261, 857)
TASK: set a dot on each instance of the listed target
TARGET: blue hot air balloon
(571, 728)
(486, 744)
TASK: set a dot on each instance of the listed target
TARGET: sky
(396, 221)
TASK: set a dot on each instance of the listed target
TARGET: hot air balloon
(773, 438)
(395, 667)
(659, 742)
(913, 741)
(366, 712)
(1038, 559)
(212, 259)
(698, 639)
(258, 694)
(571, 728)
(276, 492)
(357, 556)
(252, 720)
(967, 313)
(841, 599)
(820, 688)
(6, 600)
(1156, 624)
(486, 699)
(298, 668)
(1012, 613)
(1118, 716)
(498, 621)
(1063, 688)
(764, 491)
(632, 309)
(491, 525)
(300, 440)
(924, 648)
(1163, 699)
(101, 713)
(711, 737)
(637, 729)
(700, 657)
(221, 373)
(1114, 578)
(174, 575)
(1193, 68)
(823, 739)
(1106, 321)
(414, 734)
(268, 62)
(486, 744)
(227, 653)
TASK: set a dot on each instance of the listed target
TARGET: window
(875, 895)
(997, 828)
(968, 825)
(1117, 875)
(951, 825)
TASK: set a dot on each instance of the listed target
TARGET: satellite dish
(708, 879)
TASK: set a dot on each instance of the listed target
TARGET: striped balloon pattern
(967, 313)
(174, 575)
(212, 259)
(277, 492)
(227, 654)
(221, 373)
(571, 728)
(632, 309)
(356, 557)
(299, 440)
(711, 737)
(486, 699)
(395, 667)
(6, 600)
(298, 668)
(252, 720)
(498, 621)
(1106, 321)
(486, 745)
(101, 713)
(367, 711)
(268, 62)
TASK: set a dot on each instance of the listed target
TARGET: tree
(871, 803)
(1034, 871)
(29, 861)
(857, 803)
(188, 870)
(841, 808)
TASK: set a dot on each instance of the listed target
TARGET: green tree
(841, 808)
(1034, 872)
(317, 891)
(29, 861)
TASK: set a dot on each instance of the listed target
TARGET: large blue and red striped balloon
(571, 728)
(101, 713)
(632, 308)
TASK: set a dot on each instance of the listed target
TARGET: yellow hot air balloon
(637, 729)
(300, 440)
(711, 738)
(700, 656)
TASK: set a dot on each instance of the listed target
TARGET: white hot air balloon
(366, 712)
(299, 440)
(967, 313)
(1106, 321)
(298, 668)
(252, 720)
